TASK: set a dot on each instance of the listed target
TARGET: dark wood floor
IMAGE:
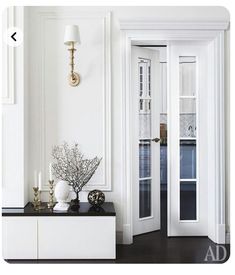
(156, 247)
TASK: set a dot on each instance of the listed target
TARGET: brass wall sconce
(72, 37)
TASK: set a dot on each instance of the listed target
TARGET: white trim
(184, 32)
(168, 147)
(188, 180)
(8, 93)
(106, 86)
(216, 140)
(227, 238)
(220, 234)
(126, 141)
(146, 178)
(127, 234)
(156, 25)
(14, 119)
(107, 104)
(188, 138)
(187, 97)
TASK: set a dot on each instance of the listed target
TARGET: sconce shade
(71, 34)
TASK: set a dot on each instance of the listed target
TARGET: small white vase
(61, 193)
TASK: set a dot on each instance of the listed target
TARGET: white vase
(61, 193)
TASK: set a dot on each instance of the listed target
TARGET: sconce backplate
(74, 79)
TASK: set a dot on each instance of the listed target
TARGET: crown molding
(171, 25)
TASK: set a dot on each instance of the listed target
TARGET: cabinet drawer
(76, 238)
(19, 237)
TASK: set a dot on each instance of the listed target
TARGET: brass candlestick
(36, 198)
(51, 194)
(37, 202)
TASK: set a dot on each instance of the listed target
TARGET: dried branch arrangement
(71, 166)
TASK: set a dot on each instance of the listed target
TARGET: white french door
(146, 137)
(187, 139)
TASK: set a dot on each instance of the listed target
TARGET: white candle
(35, 178)
(40, 181)
(50, 172)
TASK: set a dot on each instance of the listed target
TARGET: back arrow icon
(12, 36)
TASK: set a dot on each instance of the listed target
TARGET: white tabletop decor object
(61, 194)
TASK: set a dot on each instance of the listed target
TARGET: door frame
(150, 31)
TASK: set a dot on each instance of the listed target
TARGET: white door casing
(181, 102)
(213, 33)
(145, 127)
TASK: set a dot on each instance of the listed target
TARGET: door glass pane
(187, 117)
(144, 198)
(163, 165)
(141, 79)
(144, 158)
(188, 141)
(188, 159)
(145, 154)
(149, 80)
(188, 198)
(144, 118)
(187, 70)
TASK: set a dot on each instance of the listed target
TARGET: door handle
(156, 139)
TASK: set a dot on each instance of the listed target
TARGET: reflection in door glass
(144, 158)
(149, 80)
(188, 117)
(141, 79)
(145, 198)
(144, 118)
(188, 159)
(187, 70)
(188, 200)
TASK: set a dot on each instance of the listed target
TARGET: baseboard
(127, 234)
(119, 237)
(227, 238)
(221, 233)
(217, 234)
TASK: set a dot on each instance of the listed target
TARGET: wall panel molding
(8, 91)
(14, 121)
(105, 18)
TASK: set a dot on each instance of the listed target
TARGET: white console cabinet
(47, 235)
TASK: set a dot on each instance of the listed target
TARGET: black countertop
(106, 209)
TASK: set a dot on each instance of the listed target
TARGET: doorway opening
(150, 77)
(202, 42)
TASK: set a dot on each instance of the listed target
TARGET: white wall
(58, 111)
(14, 189)
(75, 112)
